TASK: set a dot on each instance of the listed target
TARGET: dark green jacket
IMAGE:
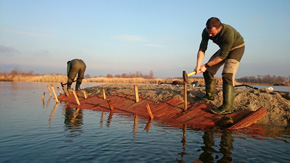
(227, 39)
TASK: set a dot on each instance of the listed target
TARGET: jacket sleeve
(204, 41)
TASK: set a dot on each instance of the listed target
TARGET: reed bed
(63, 78)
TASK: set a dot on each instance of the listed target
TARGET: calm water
(33, 131)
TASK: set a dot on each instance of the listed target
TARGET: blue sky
(125, 36)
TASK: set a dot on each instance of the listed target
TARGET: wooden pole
(136, 93)
(49, 91)
(43, 96)
(85, 94)
(76, 97)
(185, 96)
(149, 111)
(65, 90)
(104, 93)
(58, 90)
(56, 99)
(110, 105)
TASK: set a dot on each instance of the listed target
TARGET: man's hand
(200, 69)
(197, 70)
(203, 68)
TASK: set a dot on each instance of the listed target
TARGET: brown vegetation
(138, 74)
(138, 77)
(266, 79)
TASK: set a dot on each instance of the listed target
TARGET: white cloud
(130, 38)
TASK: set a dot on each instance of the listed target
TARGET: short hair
(213, 22)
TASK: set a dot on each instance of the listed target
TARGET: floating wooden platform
(171, 112)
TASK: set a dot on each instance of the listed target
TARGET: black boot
(78, 86)
(210, 85)
(228, 100)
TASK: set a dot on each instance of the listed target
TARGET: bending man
(74, 67)
(232, 47)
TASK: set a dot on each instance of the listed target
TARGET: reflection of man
(73, 119)
(226, 145)
(74, 67)
(231, 50)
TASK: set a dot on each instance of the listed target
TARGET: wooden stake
(136, 93)
(185, 96)
(149, 111)
(110, 105)
(76, 97)
(85, 94)
(43, 96)
(58, 90)
(65, 90)
(56, 99)
(49, 91)
(104, 93)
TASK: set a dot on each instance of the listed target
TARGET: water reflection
(102, 119)
(73, 121)
(209, 154)
(47, 102)
(148, 125)
(135, 126)
(226, 145)
(109, 119)
(183, 141)
(50, 120)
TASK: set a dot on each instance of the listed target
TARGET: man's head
(213, 26)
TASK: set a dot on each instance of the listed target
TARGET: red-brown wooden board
(197, 116)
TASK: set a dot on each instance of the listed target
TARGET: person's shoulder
(204, 33)
(227, 30)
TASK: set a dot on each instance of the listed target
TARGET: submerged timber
(167, 105)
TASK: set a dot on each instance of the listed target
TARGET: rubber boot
(210, 85)
(228, 100)
(78, 86)
(69, 86)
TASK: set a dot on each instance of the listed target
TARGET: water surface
(35, 131)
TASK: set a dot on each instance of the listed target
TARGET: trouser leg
(228, 76)
(210, 81)
(81, 73)
(70, 78)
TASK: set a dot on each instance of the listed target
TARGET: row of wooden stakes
(67, 93)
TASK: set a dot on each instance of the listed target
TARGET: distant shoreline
(63, 78)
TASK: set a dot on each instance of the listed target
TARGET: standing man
(74, 67)
(232, 48)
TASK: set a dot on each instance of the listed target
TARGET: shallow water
(35, 131)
